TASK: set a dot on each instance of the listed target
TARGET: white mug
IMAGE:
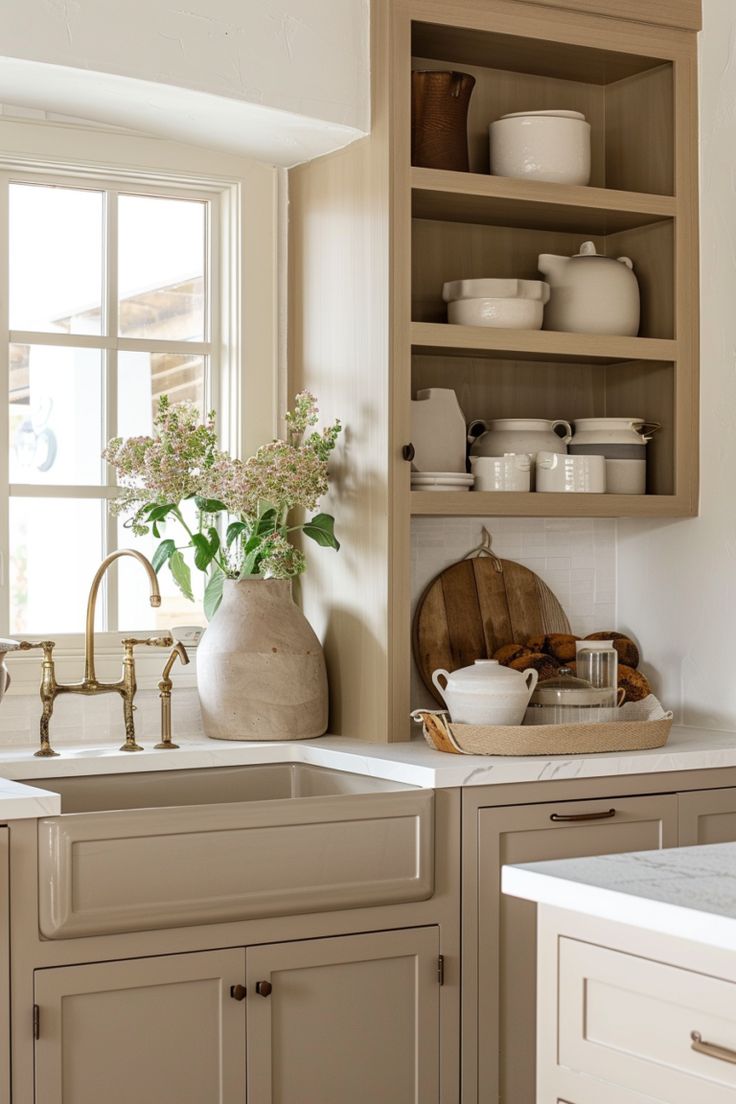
(510, 472)
(578, 474)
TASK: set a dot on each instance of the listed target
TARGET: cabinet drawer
(628, 1021)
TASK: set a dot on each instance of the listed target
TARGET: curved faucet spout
(89, 636)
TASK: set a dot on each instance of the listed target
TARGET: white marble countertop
(688, 892)
(19, 802)
(414, 763)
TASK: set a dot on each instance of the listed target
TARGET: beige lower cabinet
(506, 968)
(707, 816)
(4, 969)
(349, 1020)
(163, 1030)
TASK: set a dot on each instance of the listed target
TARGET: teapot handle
(474, 436)
(627, 261)
(568, 430)
(436, 681)
(531, 678)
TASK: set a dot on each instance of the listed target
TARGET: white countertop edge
(698, 926)
(20, 802)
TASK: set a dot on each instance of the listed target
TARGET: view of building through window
(109, 309)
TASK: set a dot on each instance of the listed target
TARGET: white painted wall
(677, 580)
(279, 80)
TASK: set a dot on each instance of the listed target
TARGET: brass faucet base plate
(130, 747)
(45, 753)
(165, 746)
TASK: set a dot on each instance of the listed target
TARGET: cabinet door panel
(507, 925)
(351, 1019)
(4, 970)
(707, 816)
(153, 1029)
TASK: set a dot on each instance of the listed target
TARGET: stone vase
(260, 668)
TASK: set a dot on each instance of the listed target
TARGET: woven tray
(580, 739)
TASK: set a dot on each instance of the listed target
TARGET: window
(121, 286)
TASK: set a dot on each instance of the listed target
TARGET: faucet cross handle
(151, 641)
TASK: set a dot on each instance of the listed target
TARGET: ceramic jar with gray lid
(623, 443)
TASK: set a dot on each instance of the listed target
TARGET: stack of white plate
(441, 481)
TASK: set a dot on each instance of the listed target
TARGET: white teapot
(486, 693)
(591, 293)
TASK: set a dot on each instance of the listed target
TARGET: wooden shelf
(530, 504)
(532, 204)
(442, 339)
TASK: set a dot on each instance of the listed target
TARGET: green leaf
(322, 530)
(209, 505)
(158, 513)
(213, 593)
(214, 540)
(234, 529)
(202, 552)
(162, 554)
(266, 522)
(181, 574)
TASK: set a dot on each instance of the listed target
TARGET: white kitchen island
(636, 976)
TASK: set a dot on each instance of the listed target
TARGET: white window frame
(245, 203)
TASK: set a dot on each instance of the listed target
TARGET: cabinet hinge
(36, 1022)
(441, 969)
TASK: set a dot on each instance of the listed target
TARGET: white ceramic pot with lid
(507, 304)
(623, 443)
(590, 293)
(486, 693)
(529, 435)
(551, 145)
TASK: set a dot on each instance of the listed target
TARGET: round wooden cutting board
(472, 608)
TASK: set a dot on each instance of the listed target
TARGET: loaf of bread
(628, 653)
(508, 652)
(545, 665)
(634, 683)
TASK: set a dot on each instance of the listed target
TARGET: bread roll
(508, 652)
(561, 646)
(545, 665)
(628, 653)
(634, 683)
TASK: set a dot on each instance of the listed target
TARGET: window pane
(56, 237)
(134, 609)
(55, 406)
(55, 549)
(161, 255)
(144, 377)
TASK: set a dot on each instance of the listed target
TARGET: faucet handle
(151, 641)
(47, 646)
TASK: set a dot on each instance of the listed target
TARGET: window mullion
(110, 389)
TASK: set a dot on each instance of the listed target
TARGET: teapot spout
(550, 264)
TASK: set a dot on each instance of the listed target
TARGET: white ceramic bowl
(441, 481)
(577, 474)
(542, 145)
(511, 472)
(493, 288)
(510, 314)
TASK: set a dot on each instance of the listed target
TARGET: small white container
(530, 435)
(486, 693)
(541, 145)
(506, 304)
(623, 442)
(556, 473)
(511, 472)
(597, 661)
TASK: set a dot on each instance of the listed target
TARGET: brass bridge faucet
(165, 687)
(126, 686)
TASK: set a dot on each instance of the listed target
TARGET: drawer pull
(724, 1054)
(571, 817)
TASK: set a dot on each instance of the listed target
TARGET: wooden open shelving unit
(373, 238)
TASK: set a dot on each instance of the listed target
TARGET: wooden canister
(439, 119)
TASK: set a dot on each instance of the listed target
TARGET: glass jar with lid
(596, 661)
(566, 699)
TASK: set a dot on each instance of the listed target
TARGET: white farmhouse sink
(131, 852)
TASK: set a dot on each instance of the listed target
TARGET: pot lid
(482, 677)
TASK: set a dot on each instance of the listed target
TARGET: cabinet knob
(408, 451)
(263, 988)
(238, 992)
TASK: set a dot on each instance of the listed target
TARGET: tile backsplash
(576, 557)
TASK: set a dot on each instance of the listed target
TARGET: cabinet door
(4, 970)
(352, 1019)
(707, 816)
(151, 1029)
(507, 925)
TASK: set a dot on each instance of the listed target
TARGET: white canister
(486, 693)
(574, 474)
(541, 145)
(511, 472)
(623, 443)
(530, 435)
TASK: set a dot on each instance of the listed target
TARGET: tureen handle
(627, 261)
(531, 677)
(436, 680)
